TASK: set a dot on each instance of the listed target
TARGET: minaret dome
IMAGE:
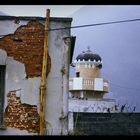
(88, 64)
(88, 55)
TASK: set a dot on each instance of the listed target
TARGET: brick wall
(20, 115)
(107, 123)
(26, 46)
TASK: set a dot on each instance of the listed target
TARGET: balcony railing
(89, 84)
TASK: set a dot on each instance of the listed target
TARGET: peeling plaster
(29, 93)
(21, 115)
(15, 70)
(16, 79)
(26, 46)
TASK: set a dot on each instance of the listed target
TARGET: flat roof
(3, 17)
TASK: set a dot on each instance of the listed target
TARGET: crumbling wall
(26, 46)
(21, 115)
(23, 60)
(23, 70)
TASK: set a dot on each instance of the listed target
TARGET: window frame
(77, 74)
(2, 93)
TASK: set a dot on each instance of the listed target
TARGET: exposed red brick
(26, 45)
(21, 115)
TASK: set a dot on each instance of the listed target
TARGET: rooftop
(5, 17)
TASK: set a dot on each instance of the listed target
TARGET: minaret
(87, 82)
(87, 88)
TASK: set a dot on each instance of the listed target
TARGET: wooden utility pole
(43, 76)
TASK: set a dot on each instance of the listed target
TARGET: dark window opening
(2, 91)
(77, 74)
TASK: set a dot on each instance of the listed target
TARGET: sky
(117, 44)
(40, 10)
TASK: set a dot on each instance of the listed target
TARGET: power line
(96, 24)
(86, 25)
(129, 88)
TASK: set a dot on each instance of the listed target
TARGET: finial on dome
(88, 47)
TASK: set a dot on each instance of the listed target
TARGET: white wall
(93, 105)
(57, 82)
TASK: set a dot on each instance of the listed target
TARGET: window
(77, 74)
(2, 90)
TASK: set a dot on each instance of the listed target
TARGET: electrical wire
(96, 24)
(86, 25)
(121, 86)
(89, 25)
(129, 88)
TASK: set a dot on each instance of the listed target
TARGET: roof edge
(67, 19)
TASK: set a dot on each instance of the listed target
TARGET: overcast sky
(117, 44)
(40, 10)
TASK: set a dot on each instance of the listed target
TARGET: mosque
(87, 88)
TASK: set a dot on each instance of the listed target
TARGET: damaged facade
(21, 115)
(21, 57)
